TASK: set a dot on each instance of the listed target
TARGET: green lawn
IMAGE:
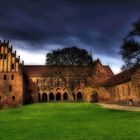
(68, 121)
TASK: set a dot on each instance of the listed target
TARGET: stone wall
(11, 77)
(42, 88)
(126, 93)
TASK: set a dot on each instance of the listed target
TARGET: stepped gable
(8, 59)
(11, 76)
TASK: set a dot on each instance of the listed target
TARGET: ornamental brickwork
(11, 77)
(21, 84)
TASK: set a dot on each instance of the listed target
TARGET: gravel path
(119, 107)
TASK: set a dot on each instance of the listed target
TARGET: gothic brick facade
(21, 83)
(11, 77)
(51, 87)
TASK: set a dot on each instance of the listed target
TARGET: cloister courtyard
(68, 121)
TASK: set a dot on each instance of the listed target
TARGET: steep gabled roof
(108, 71)
(34, 70)
(84, 71)
(119, 78)
(53, 71)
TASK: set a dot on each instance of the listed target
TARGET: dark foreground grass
(68, 121)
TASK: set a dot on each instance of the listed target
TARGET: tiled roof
(42, 70)
(108, 71)
(119, 78)
(34, 70)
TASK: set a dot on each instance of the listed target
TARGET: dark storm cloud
(96, 24)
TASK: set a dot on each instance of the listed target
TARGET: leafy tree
(72, 56)
(72, 59)
(130, 50)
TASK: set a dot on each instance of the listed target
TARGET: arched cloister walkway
(51, 97)
(39, 97)
(44, 97)
(58, 96)
(65, 96)
(79, 96)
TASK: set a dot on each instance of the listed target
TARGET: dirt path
(119, 107)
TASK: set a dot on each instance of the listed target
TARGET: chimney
(11, 48)
(15, 53)
(8, 42)
(22, 62)
(19, 58)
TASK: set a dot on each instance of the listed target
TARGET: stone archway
(65, 96)
(95, 97)
(74, 96)
(44, 97)
(79, 96)
(58, 96)
(51, 97)
(39, 97)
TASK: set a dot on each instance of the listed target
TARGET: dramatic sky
(35, 27)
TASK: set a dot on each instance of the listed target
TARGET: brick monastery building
(21, 84)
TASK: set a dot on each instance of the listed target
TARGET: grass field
(68, 121)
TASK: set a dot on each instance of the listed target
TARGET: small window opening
(12, 77)
(12, 66)
(4, 77)
(1, 56)
(13, 97)
(4, 56)
(10, 88)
